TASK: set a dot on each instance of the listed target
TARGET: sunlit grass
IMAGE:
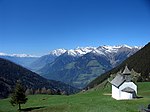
(92, 101)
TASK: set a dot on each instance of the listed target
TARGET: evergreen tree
(29, 92)
(43, 90)
(58, 92)
(18, 96)
(48, 92)
(37, 91)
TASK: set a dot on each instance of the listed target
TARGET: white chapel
(123, 87)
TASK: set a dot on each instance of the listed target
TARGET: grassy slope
(91, 101)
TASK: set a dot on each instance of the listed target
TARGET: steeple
(126, 71)
(127, 74)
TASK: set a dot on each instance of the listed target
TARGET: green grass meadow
(96, 100)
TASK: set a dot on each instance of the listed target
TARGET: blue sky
(39, 26)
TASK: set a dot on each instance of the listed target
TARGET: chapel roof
(118, 80)
(128, 89)
(121, 78)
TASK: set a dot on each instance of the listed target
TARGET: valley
(10, 73)
(74, 55)
(76, 67)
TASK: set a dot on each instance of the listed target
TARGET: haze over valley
(77, 67)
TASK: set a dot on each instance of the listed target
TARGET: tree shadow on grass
(31, 108)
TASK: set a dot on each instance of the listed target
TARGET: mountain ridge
(139, 62)
(81, 50)
(79, 70)
(77, 66)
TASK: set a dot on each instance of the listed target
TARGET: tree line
(19, 94)
(44, 91)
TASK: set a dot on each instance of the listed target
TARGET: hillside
(139, 62)
(11, 72)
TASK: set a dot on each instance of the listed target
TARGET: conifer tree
(49, 91)
(18, 96)
(58, 92)
(38, 91)
(43, 90)
(29, 92)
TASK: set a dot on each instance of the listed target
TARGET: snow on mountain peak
(58, 52)
(98, 52)
(127, 46)
(71, 52)
(80, 51)
(17, 55)
(22, 55)
(138, 47)
(3, 54)
(85, 49)
(108, 48)
(114, 49)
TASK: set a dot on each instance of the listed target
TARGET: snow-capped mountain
(3, 54)
(102, 50)
(36, 63)
(81, 65)
(57, 52)
(75, 66)
(116, 54)
(21, 59)
(18, 55)
(139, 62)
(79, 51)
(46, 59)
(23, 55)
(114, 49)
(107, 51)
(49, 58)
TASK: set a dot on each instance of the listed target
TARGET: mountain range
(21, 59)
(138, 62)
(11, 72)
(79, 66)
